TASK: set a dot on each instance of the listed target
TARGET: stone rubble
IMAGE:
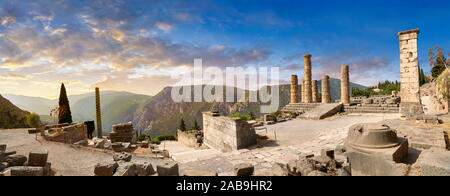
(12, 164)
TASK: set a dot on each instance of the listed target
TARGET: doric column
(326, 98)
(315, 91)
(294, 89)
(345, 85)
(308, 89)
(409, 74)
(303, 91)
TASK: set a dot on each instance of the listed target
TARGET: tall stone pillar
(98, 113)
(409, 74)
(294, 89)
(326, 97)
(315, 91)
(345, 85)
(303, 90)
(308, 89)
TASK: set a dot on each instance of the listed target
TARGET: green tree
(64, 115)
(251, 116)
(182, 126)
(195, 127)
(33, 120)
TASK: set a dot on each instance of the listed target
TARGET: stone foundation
(410, 110)
(227, 134)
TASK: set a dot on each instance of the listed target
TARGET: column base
(410, 110)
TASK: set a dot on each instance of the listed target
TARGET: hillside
(116, 107)
(162, 116)
(11, 116)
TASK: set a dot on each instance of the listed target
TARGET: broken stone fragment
(105, 169)
(2, 147)
(168, 169)
(279, 170)
(144, 169)
(38, 158)
(126, 169)
(244, 169)
(26, 171)
(123, 156)
(16, 160)
(199, 173)
(300, 167)
(165, 154)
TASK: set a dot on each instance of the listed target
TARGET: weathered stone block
(38, 158)
(126, 169)
(26, 171)
(168, 169)
(105, 169)
(244, 169)
(432, 162)
(16, 160)
(144, 169)
(123, 156)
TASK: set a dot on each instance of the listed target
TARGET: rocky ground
(294, 138)
(66, 160)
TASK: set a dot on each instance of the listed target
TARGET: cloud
(12, 76)
(166, 27)
(149, 85)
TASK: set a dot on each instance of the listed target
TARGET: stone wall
(227, 134)
(67, 134)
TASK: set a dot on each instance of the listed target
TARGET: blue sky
(127, 45)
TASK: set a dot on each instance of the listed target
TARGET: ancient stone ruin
(12, 164)
(66, 133)
(409, 74)
(123, 133)
(227, 134)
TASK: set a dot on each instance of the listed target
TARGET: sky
(137, 46)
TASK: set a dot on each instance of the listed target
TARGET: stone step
(322, 111)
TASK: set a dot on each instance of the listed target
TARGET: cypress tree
(182, 125)
(65, 115)
(195, 127)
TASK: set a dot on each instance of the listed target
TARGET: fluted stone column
(410, 104)
(303, 91)
(98, 113)
(315, 91)
(294, 89)
(308, 89)
(326, 97)
(345, 85)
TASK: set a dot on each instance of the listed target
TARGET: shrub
(143, 137)
(33, 120)
(158, 139)
(241, 116)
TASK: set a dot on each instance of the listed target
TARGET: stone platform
(322, 111)
(371, 108)
(299, 107)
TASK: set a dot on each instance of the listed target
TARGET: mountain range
(157, 114)
(11, 116)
